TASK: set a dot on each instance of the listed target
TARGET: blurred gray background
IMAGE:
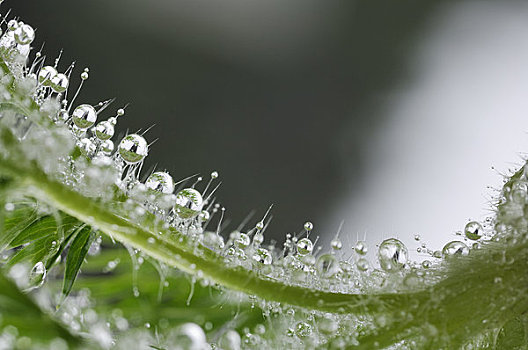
(385, 114)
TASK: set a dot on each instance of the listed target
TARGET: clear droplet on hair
(37, 275)
(84, 116)
(189, 203)
(46, 74)
(262, 256)
(107, 147)
(160, 181)
(133, 148)
(59, 83)
(104, 130)
(455, 248)
(304, 246)
(327, 265)
(24, 34)
(473, 230)
(392, 255)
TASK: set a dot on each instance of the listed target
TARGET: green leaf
(45, 226)
(44, 238)
(512, 336)
(20, 311)
(78, 250)
(16, 221)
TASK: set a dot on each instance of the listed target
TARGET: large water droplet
(160, 181)
(473, 230)
(37, 275)
(455, 248)
(189, 203)
(327, 265)
(392, 255)
(59, 83)
(230, 340)
(46, 74)
(24, 34)
(133, 148)
(84, 116)
(189, 336)
(262, 256)
(104, 130)
(304, 246)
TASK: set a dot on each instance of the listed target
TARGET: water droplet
(240, 239)
(45, 75)
(37, 275)
(189, 203)
(303, 329)
(392, 255)
(12, 25)
(160, 181)
(214, 175)
(455, 248)
(104, 130)
(362, 264)
(260, 225)
(304, 246)
(336, 244)
(230, 340)
(84, 75)
(107, 147)
(189, 336)
(361, 248)
(24, 34)
(258, 238)
(473, 230)
(327, 265)
(262, 256)
(204, 215)
(86, 146)
(133, 148)
(411, 280)
(213, 241)
(308, 226)
(84, 116)
(59, 83)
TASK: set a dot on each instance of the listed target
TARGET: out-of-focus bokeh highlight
(387, 115)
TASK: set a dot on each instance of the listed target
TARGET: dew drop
(308, 226)
(230, 340)
(59, 83)
(189, 203)
(84, 116)
(473, 230)
(362, 264)
(161, 182)
(107, 147)
(327, 265)
(104, 130)
(262, 256)
(361, 248)
(303, 329)
(240, 239)
(455, 248)
(133, 148)
(24, 34)
(37, 275)
(46, 74)
(392, 255)
(336, 244)
(304, 246)
(189, 336)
